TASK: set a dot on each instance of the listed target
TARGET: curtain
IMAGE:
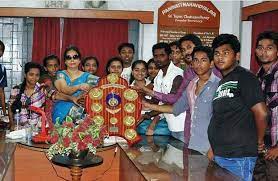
(46, 38)
(260, 23)
(95, 37)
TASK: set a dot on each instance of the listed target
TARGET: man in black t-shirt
(238, 123)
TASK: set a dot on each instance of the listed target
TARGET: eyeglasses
(74, 57)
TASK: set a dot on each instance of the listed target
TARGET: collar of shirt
(261, 73)
(36, 90)
(211, 79)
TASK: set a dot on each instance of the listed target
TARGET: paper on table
(17, 134)
(114, 140)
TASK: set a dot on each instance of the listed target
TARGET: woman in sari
(29, 93)
(72, 82)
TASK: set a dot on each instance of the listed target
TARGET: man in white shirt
(126, 52)
(167, 81)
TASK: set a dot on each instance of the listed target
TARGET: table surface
(155, 157)
(164, 158)
(44, 146)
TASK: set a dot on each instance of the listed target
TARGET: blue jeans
(242, 167)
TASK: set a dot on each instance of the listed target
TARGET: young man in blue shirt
(198, 98)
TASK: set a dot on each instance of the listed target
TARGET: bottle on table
(17, 118)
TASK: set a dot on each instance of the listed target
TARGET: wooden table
(76, 165)
(154, 158)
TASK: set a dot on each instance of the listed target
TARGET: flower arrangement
(67, 138)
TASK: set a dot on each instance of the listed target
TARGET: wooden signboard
(177, 18)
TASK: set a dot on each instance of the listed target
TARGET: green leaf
(57, 121)
(81, 135)
(69, 119)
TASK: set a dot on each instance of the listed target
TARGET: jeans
(242, 167)
(178, 135)
(161, 127)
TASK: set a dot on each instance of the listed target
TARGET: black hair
(162, 45)
(191, 37)
(204, 49)
(109, 62)
(175, 43)
(122, 45)
(83, 62)
(74, 48)
(50, 57)
(271, 35)
(148, 64)
(2, 45)
(150, 61)
(224, 39)
(133, 66)
(17, 104)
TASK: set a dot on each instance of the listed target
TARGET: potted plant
(75, 140)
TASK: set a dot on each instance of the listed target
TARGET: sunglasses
(74, 57)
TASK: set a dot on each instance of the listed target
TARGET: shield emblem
(117, 106)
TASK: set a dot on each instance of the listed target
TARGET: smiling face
(152, 70)
(266, 51)
(139, 72)
(225, 59)
(90, 66)
(72, 59)
(201, 63)
(32, 77)
(187, 47)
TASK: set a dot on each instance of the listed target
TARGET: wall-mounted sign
(177, 18)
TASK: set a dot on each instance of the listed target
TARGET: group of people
(199, 95)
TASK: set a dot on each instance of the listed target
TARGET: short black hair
(229, 39)
(204, 49)
(29, 65)
(2, 45)
(50, 57)
(271, 35)
(74, 48)
(122, 45)
(83, 62)
(191, 37)
(162, 45)
(175, 43)
(109, 62)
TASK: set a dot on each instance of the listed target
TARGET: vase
(79, 155)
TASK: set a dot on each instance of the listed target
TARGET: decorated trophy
(114, 104)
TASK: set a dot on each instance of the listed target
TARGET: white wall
(249, 3)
